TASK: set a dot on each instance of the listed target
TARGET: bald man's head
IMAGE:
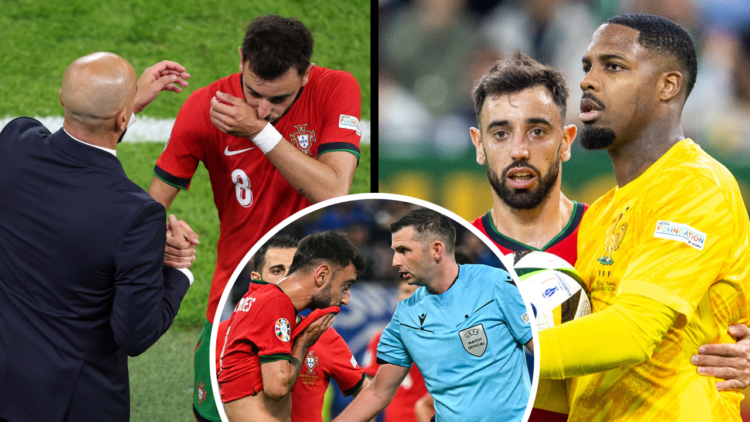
(97, 89)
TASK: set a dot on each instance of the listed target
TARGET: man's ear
(569, 135)
(241, 67)
(306, 77)
(121, 121)
(59, 95)
(255, 275)
(437, 249)
(322, 274)
(671, 84)
(476, 139)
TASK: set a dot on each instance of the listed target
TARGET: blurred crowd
(432, 52)
(366, 223)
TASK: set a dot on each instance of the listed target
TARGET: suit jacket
(82, 282)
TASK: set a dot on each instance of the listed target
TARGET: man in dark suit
(84, 274)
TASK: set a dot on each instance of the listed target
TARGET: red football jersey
(259, 331)
(328, 358)
(564, 245)
(412, 388)
(250, 194)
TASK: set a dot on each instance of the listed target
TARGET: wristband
(267, 138)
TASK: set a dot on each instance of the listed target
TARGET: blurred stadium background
(432, 52)
(373, 296)
(40, 39)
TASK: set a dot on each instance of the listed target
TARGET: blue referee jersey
(468, 345)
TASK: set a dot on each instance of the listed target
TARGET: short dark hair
(328, 246)
(428, 222)
(280, 241)
(663, 36)
(273, 45)
(516, 73)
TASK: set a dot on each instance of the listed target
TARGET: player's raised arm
(280, 376)
(317, 180)
(376, 396)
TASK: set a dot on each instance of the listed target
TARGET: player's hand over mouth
(235, 117)
(314, 331)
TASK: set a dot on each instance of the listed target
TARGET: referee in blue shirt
(465, 328)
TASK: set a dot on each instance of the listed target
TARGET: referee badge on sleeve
(474, 340)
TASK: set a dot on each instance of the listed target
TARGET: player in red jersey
(412, 388)
(327, 358)
(520, 107)
(523, 145)
(260, 361)
(276, 137)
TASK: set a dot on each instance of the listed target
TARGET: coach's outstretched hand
(162, 76)
(727, 361)
(179, 251)
(235, 117)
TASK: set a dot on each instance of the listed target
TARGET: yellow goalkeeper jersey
(678, 234)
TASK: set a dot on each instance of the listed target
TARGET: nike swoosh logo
(227, 152)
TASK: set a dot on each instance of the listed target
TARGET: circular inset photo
(370, 305)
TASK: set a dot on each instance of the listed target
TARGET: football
(552, 286)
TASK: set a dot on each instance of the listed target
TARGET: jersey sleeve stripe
(274, 357)
(339, 146)
(356, 387)
(385, 362)
(167, 178)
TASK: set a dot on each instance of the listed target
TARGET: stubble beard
(322, 299)
(524, 199)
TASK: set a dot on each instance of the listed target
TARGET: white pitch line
(149, 129)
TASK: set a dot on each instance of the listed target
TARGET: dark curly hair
(334, 248)
(273, 45)
(516, 73)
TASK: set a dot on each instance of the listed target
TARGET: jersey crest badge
(311, 362)
(282, 329)
(202, 395)
(303, 139)
(474, 340)
(612, 242)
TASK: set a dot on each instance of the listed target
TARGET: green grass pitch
(41, 38)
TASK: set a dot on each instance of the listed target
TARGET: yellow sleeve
(552, 395)
(684, 239)
(626, 333)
